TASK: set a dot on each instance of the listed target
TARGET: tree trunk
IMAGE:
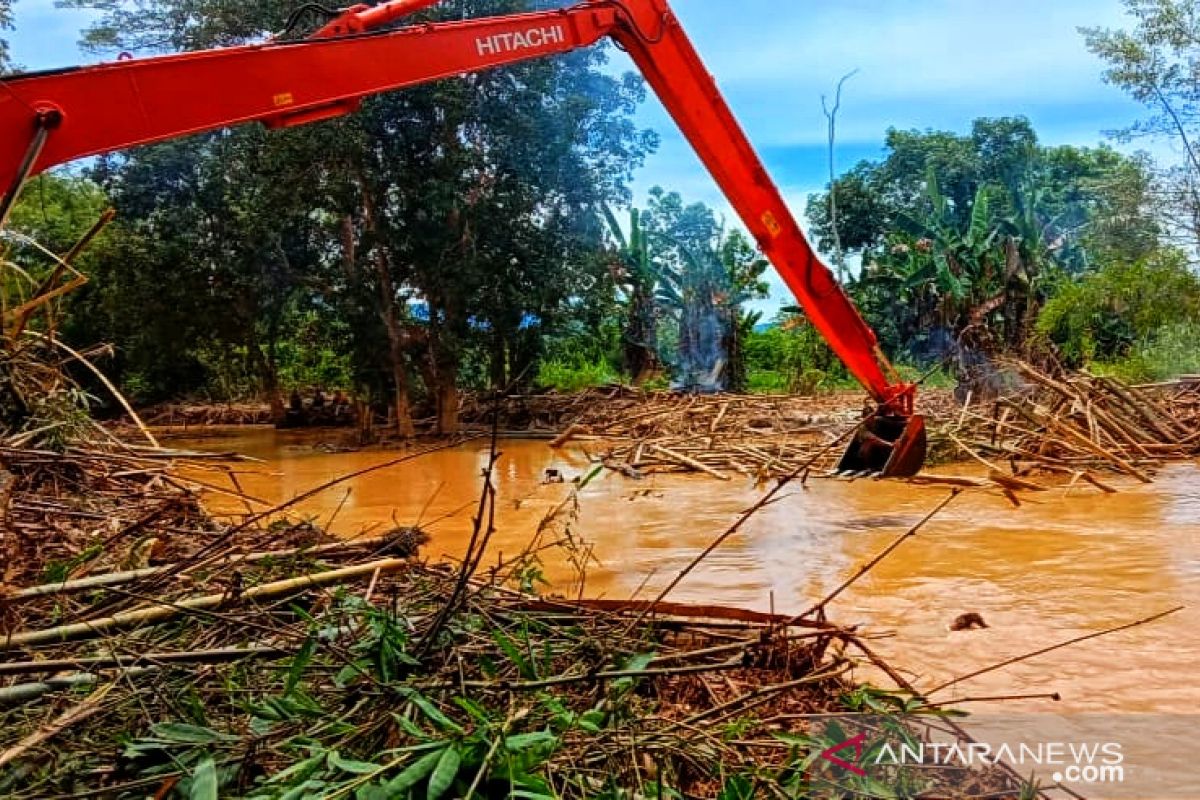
(499, 361)
(447, 399)
(390, 315)
(275, 399)
(641, 336)
(403, 402)
(268, 377)
(737, 375)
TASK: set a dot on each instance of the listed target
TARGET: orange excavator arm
(53, 117)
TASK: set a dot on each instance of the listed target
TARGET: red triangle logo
(858, 743)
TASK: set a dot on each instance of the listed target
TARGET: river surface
(1065, 564)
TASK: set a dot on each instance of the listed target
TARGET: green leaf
(431, 711)
(477, 712)
(310, 788)
(980, 218)
(614, 227)
(591, 721)
(524, 741)
(934, 192)
(184, 733)
(299, 664)
(591, 476)
(801, 740)
(409, 727)
(302, 769)
(336, 761)
(204, 781)
(638, 662)
(514, 654)
(351, 671)
(737, 787)
(443, 776)
(412, 775)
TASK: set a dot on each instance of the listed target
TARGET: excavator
(52, 117)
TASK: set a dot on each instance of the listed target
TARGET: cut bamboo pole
(155, 614)
(566, 436)
(216, 656)
(689, 462)
(118, 578)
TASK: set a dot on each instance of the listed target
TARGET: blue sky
(922, 64)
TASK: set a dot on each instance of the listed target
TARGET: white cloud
(923, 63)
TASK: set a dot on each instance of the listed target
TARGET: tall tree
(705, 274)
(1157, 62)
(213, 242)
(1082, 187)
(463, 212)
(636, 274)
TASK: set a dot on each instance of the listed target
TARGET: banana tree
(637, 277)
(1038, 251)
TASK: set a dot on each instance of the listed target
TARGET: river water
(1061, 566)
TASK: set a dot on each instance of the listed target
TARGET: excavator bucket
(890, 446)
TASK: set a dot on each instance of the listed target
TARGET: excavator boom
(54, 117)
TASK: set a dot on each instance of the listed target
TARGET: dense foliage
(480, 232)
(436, 237)
(1157, 61)
(962, 239)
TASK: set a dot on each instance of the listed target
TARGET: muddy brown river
(1064, 565)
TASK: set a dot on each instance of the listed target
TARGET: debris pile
(720, 435)
(1072, 422)
(147, 649)
(191, 415)
(350, 668)
(1180, 397)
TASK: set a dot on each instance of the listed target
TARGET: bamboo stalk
(122, 662)
(118, 578)
(570, 433)
(161, 613)
(689, 462)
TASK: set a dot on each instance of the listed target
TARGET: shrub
(1174, 350)
(563, 376)
(1121, 307)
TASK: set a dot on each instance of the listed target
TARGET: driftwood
(719, 436)
(1072, 423)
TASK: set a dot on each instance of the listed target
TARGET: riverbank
(149, 649)
(1024, 422)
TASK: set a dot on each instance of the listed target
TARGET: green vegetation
(1171, 351)
(562, 376)
(480, 232)
(790, 357)
(1104, 314)
(991, 243)
(6, 19)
